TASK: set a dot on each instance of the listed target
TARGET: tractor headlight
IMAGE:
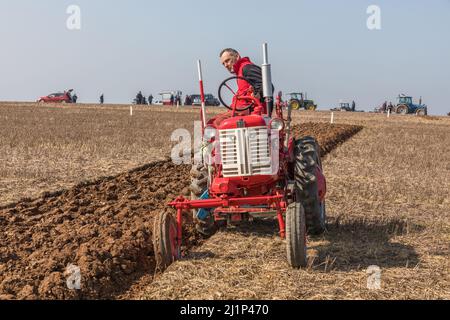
(277, 124)
(210, 134)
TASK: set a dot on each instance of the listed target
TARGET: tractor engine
(246, 157)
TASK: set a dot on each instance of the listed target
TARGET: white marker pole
(332, 118)
(131, 110)
(389, 113)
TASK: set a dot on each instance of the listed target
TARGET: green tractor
(299, 101)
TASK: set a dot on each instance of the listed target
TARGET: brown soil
(103, 227)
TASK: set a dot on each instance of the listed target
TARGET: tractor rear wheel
(296, 235)
(307, 164)
(165, 243)
(199, 184)
(311, 107)
(402, 109)
(295, 104)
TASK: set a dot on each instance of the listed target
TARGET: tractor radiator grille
(245, 152)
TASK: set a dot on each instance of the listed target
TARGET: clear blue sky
(322, 47)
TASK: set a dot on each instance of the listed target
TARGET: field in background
(48, 148)
(388, 205)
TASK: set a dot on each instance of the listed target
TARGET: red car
(65, 97)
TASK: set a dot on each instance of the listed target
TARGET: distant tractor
(343, 106)
(405, 105)
(299, 101)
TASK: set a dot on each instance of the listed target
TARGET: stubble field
(80, 185)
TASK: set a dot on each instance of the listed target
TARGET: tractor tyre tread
(307, 184)
(296, 248)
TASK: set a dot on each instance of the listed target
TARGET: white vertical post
(389, 113)
(332, 118)
(131, 110)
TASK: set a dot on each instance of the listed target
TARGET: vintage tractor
(405, 105)
(252, 167)
(299, 101)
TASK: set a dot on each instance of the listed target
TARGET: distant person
(188, 101)
(139, 98)
(384, 107)
(172, 100)
(150, 99)
(391, 107)
(102, 99)
(353, 106)
(69, 95)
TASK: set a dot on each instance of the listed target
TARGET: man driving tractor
(250, 82)
(243, 68)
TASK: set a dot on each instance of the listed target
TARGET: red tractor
(253, 167)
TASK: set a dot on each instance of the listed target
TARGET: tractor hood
(244, 122)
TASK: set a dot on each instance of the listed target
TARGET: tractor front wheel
(165, 244)
(421, 112)
(296, 236)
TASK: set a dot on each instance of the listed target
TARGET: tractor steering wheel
(236, 96)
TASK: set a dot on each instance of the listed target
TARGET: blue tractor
(405, 105)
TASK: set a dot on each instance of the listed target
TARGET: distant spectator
(391, 107)
(69, 95)
(172, 100)
(102, 99)
(188, 101)
(353, 106)
(150, 99)
(139, 98)
(384, 107)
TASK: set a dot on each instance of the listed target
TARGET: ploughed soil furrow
(103, 228)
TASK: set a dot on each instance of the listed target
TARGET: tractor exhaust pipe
(267, 81)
